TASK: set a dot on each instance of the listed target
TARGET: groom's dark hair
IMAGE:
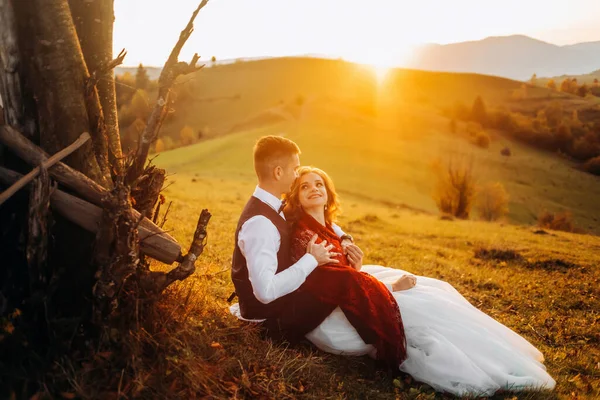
(270, 151)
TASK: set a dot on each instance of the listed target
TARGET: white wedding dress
(451, 345)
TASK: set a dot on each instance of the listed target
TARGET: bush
(455, 188)
(503, 120)
(559, 222)
(187, 136)
(482, 139)
(563, 137)
(159, 146)
(492, 202)
(593, 166)
(479, 111)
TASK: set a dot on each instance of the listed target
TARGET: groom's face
(290, 173)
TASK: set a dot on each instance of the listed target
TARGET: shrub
(492, 202)
(562, 221)
(455, 187)
(563, 137)
(159, 146)
(593, 166)
(503, 120)
(187, 136)
(482, 139)
(479, 111)
(168, 142)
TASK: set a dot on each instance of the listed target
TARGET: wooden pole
(45, 164)
(62, 173)
(154, 242)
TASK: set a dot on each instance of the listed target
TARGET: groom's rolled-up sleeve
(338, 231)
(259, 242)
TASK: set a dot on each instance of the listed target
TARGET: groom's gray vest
(291, 316)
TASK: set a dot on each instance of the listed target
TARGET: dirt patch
(494, 254)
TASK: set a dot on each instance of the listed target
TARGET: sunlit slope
(372, 161)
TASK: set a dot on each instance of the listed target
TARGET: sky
(378, 32)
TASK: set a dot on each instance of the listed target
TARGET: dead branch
(171, 70)
(98, 78)
(156, 282)
(44, 165)
(154, 241)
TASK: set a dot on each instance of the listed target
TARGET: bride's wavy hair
(293, 207)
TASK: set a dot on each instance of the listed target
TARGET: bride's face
(312, 192)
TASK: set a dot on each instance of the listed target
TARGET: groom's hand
(321, 252)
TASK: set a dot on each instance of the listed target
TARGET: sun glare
(379, 61)
(380, 73)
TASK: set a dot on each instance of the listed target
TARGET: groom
(265, 280)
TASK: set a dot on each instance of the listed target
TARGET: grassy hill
(543, 285)
(224, 96)
(387, 158)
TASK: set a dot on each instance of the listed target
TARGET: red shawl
(366, 302)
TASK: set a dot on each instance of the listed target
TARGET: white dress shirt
(259, 242)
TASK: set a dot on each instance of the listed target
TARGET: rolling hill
(221, 97)
(394, 130)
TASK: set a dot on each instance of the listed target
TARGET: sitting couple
(301, 276)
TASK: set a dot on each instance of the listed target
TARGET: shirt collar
(267, 198)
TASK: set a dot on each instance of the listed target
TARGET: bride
(450, 345)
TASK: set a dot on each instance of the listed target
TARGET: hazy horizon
(382, 32)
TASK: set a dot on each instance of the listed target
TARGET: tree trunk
(94, 23)
(57, 74)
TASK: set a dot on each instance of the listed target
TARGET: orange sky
(376, 31)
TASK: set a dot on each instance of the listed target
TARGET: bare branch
(172, 69)
(156, 282)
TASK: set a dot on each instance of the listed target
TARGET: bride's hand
(354, 255)
(404, 283)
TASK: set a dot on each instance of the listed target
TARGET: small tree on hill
(142, 80)
(454, 190)
(187, 136)
(533, 79)
(595, 83)
(583, 90)
(479, 111)
(492, 202)
(551, 84)
(564, 137)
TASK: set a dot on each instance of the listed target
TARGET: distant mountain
(516, 57)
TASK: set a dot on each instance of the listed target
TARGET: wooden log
(154, 242)
(44, 165)
(62, 173)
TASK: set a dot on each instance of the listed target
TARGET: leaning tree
(78, 217)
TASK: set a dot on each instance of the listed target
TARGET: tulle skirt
(452, 346)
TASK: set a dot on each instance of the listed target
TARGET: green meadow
(543, 284)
